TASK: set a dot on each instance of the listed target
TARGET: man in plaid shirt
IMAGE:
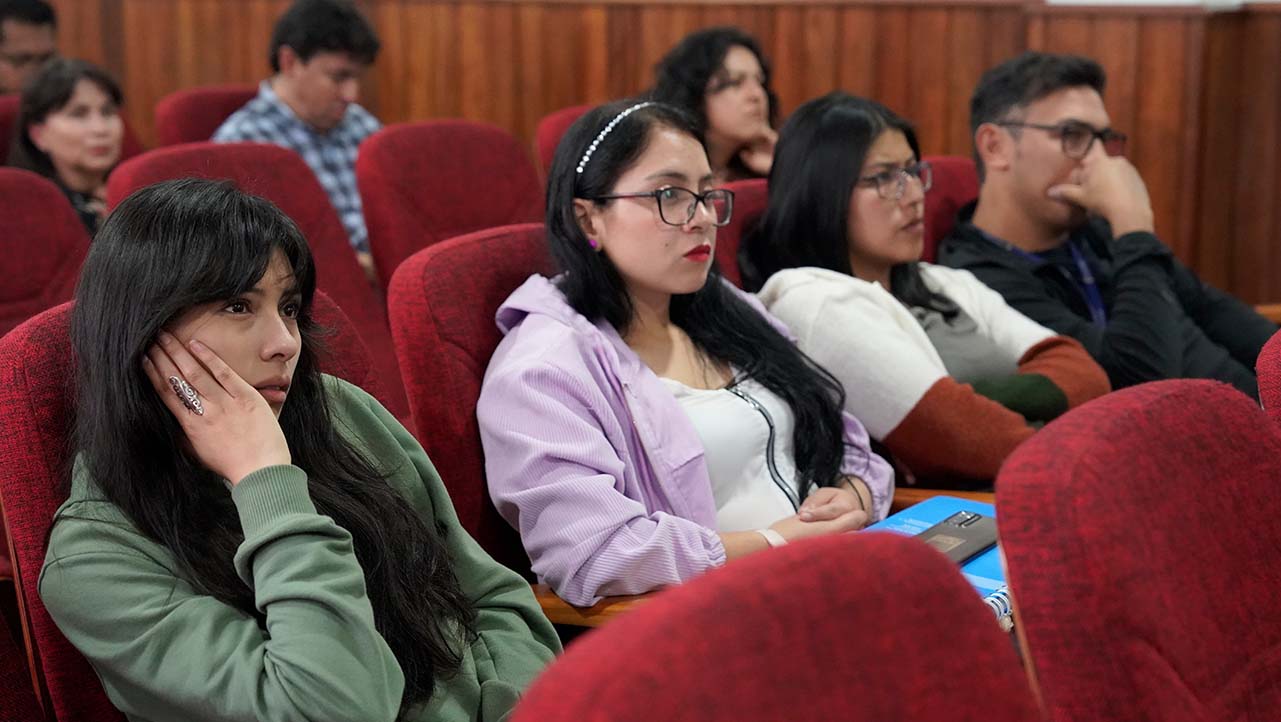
(320, 50)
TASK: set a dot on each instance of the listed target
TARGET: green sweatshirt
(165, 653)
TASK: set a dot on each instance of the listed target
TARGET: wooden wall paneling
(627, 70)
(392, 79)
(927, 101)
(80, 24)
(486, 35)
(856, 66)
(967, 60)
(1218, 145)
(786, 50)
(822, 48)
(1160, 111)
(436, 33)
(1116, 48)
(893, 48)
(1256, 271)
(1188, 133)
(659, 27)
(1197, 127)
(532, 48)
(1005, 33)
(150, 59)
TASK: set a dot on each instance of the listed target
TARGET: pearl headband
(601, 136)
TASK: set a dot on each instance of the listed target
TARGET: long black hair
(47, 92)
(818, 159)
(719, 322)
(178, 244)
(682, 76)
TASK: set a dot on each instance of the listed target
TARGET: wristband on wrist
(774, 539)
(854, 488)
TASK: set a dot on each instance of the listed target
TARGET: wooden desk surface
(907, 496)
(561, 612)
(1272, 311)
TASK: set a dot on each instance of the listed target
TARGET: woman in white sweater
(937, 366)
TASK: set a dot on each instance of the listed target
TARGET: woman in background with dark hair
(722, 78)
(643, 421)
(939, 367)
(69, 130)
(247, 538)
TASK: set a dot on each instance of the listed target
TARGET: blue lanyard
(1084, 281)
(1088, 288)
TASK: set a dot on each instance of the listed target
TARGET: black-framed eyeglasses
(1077, 138)
(676, 205)
(891, 183)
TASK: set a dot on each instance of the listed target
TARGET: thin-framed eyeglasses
(676, 205)
(891, 183)
(1077, 138)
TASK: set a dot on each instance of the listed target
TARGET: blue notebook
(983, 571)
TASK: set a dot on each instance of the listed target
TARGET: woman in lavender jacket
(643, 421)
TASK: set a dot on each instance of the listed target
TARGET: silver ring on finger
(187, 395)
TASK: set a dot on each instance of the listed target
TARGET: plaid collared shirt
(331, 155)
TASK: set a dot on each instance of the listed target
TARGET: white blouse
(734, 426)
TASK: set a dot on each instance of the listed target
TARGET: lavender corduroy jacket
(593, 460)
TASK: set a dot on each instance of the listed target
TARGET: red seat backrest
(130, 146)
(874, 626)
(36, 415)
(421, 183)
(549, 131)
(750, 199)
(43, 245)
(1143, 547)
(956, 183)
(1268, 369)
(281, 176)
(193, 114)
(442, 303)
(17, 697)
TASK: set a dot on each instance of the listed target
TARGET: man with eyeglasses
(27, 41)
(1063, 229)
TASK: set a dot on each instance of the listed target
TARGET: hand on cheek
(233, 430)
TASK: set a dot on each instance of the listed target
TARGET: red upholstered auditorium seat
(1143, 547)
(750, 199)
(17, 696)
(1268, 369)
(421, 183)
(35, 413)
(130, 145)
(549, 132)
(193, 114)
(874, 627)
(42, 245)
(956, 183)
(442, 303)
(282, 177)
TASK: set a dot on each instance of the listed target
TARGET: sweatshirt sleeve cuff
(270, 493)
(715, 548)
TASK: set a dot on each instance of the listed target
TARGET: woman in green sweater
(246, 538)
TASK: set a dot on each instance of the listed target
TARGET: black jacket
(1162, 321)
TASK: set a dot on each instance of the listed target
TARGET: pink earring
(592, 242)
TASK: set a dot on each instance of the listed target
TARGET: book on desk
(983, 571)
